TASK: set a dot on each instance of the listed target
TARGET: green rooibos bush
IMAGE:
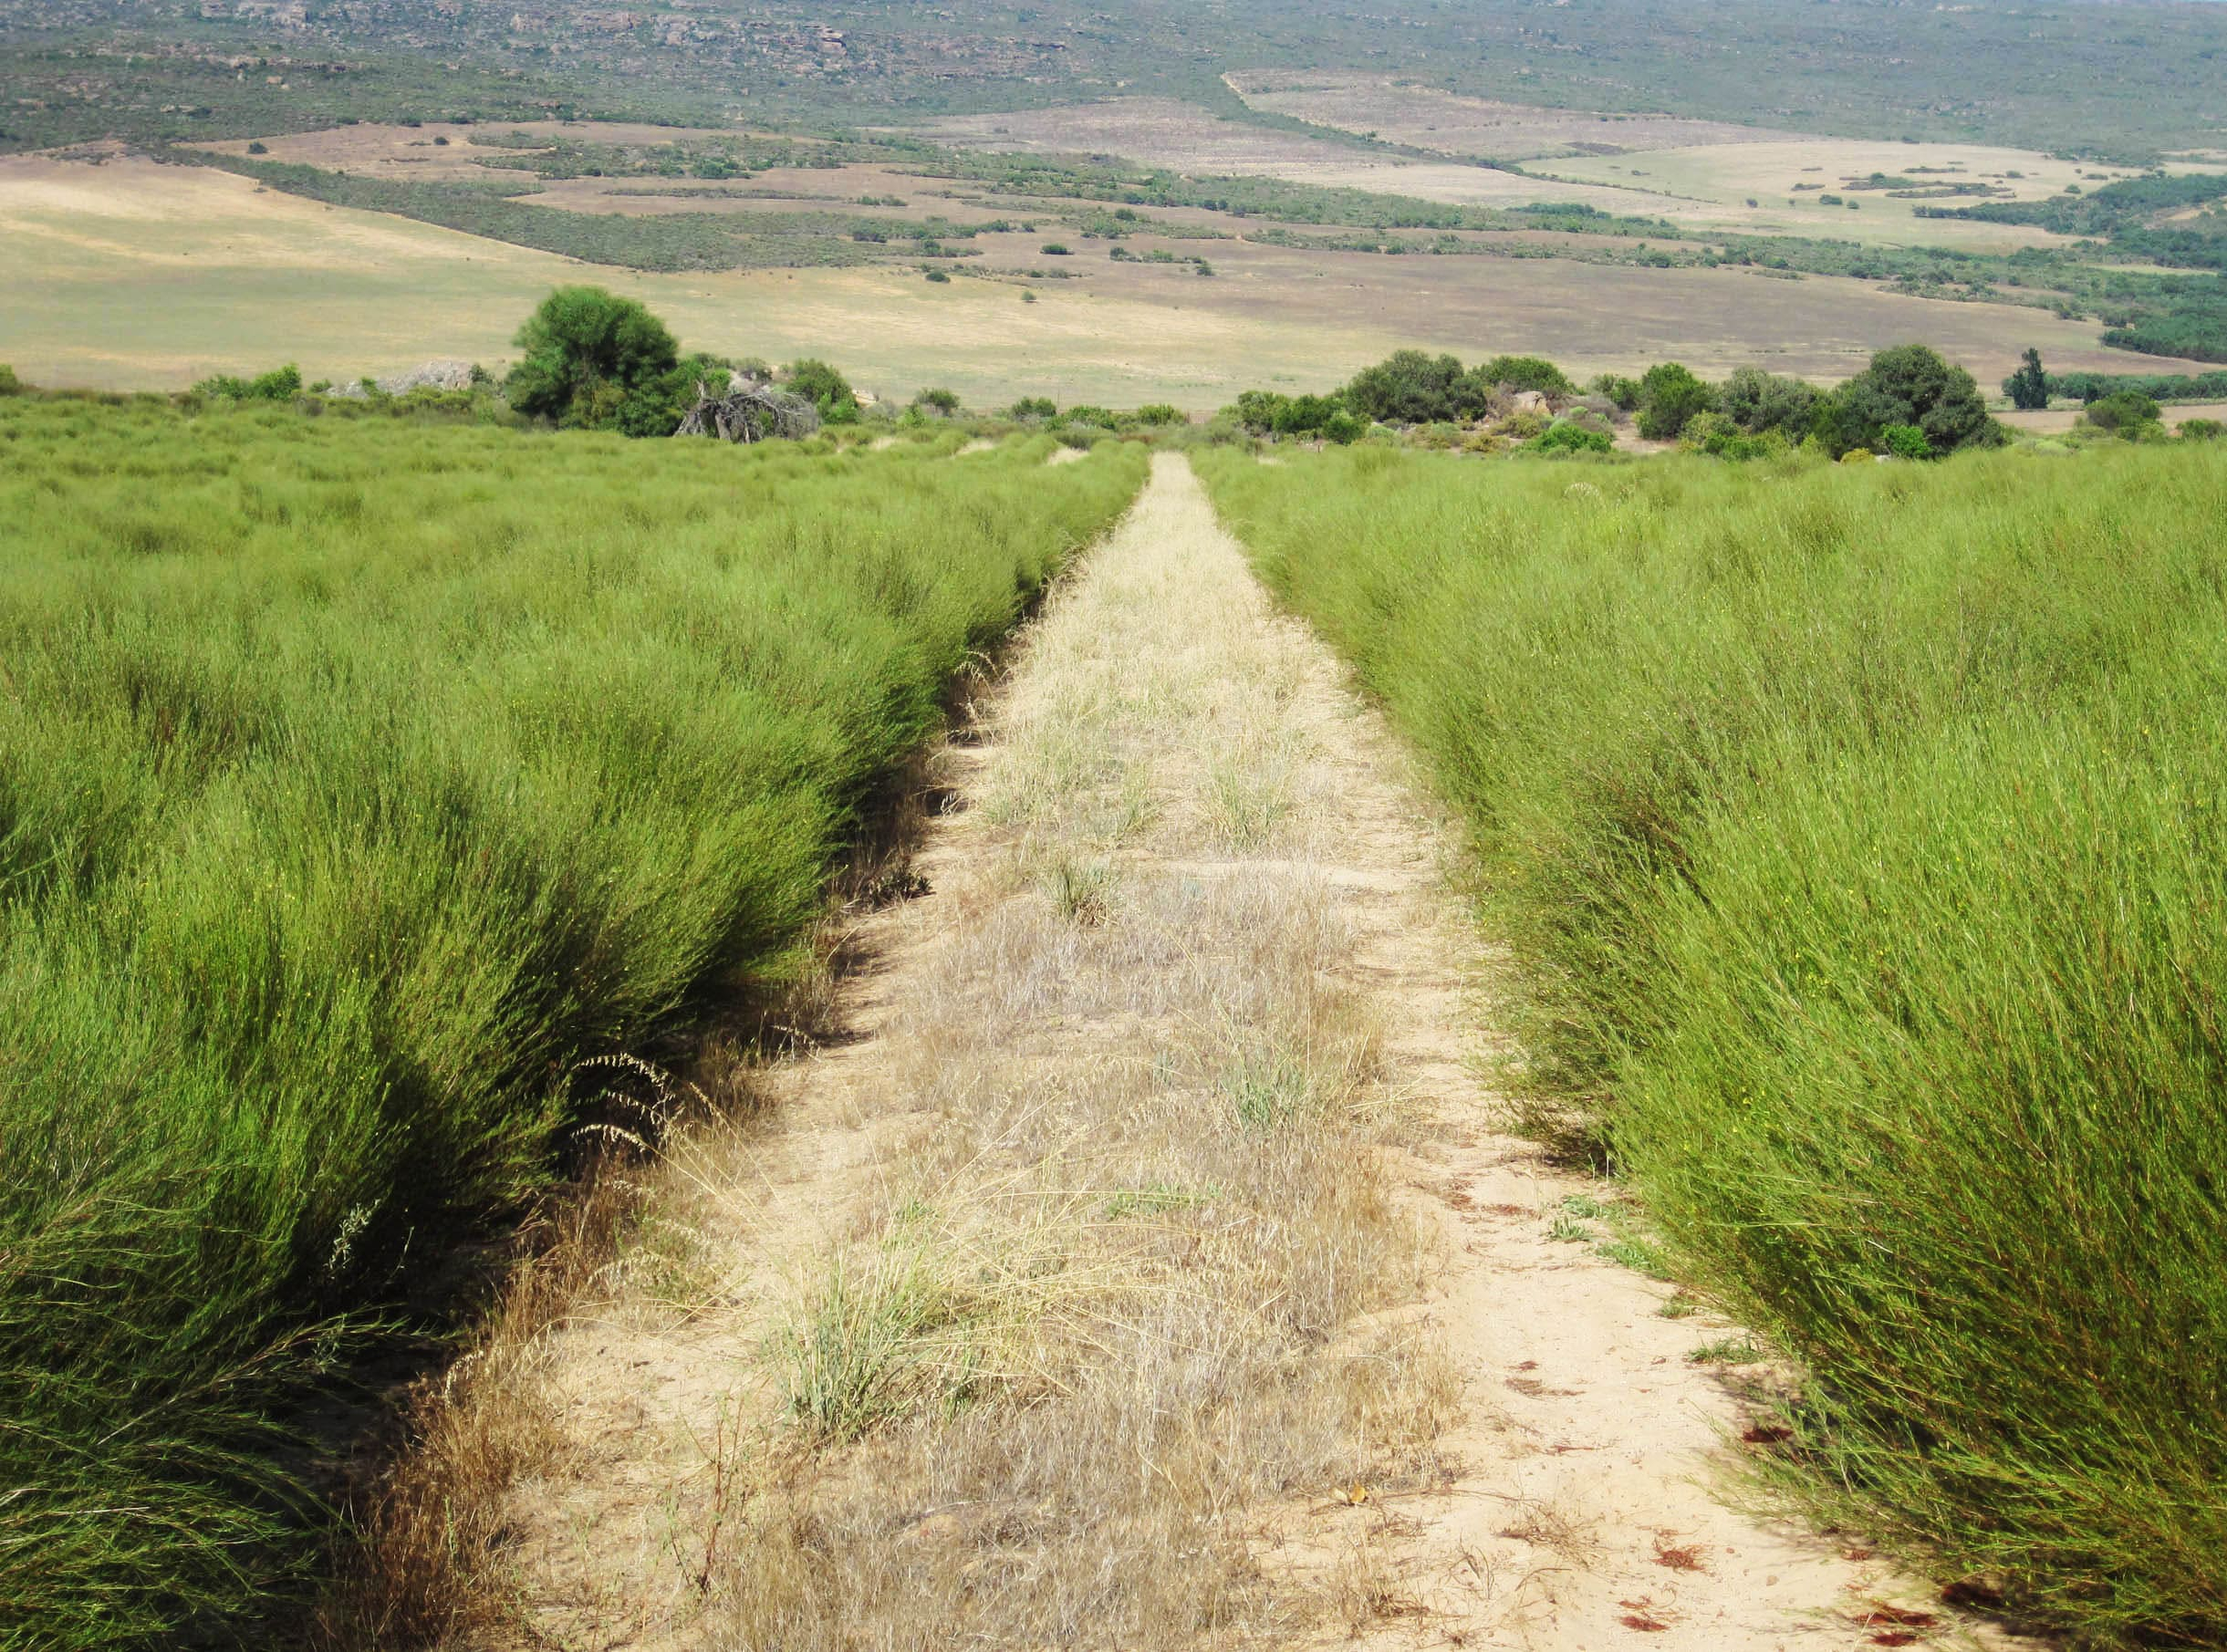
(357, 780)
(1862, 835)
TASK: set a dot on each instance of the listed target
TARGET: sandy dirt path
(1143, 1265)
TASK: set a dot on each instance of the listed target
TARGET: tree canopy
(1911, 385)
(592, 360)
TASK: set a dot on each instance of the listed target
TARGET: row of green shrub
(357, 780)
(1861, 838)
(1907, 401)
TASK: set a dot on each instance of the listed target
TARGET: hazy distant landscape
(1297, 155)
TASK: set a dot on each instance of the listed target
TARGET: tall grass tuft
(355, 783)
(1863, 838)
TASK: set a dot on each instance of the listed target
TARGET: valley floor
(1145, 1264)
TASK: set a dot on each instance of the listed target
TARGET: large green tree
(1669, 396)
(1409, 387)
(1909, 385)
(594, 361)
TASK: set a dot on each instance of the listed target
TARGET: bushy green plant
(1268, 412)
(2203, 430)
(585, 353)
(942, 403)
(9, 384)
(1033, 408)
(2124, 414)
(1906, 442)
(1624, 391)
(1524, 373)
(825, 388)
(1670, 395)
(358, 779)
(1567, 436)
(1410, 387)
(1909, 384)
(1863, 852)
(1758, 401)
(280, 384)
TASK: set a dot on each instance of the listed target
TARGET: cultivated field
(1420, 116)
(358, 781)
(1863, 867)
(128, 275)
(1785, 178)
(1702, 184)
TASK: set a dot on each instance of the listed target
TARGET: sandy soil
(1536, 1442)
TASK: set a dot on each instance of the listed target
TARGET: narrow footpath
(1144, 1265)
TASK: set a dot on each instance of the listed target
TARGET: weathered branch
(749, 412)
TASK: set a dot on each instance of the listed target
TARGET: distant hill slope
(2125, 80)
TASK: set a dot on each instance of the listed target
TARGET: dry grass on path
(1031, 1309)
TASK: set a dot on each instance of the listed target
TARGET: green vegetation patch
(1862, 835)
(358, 779)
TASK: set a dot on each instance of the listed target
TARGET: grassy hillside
(356, 781)
(1860, 835)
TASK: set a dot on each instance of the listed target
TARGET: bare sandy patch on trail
(1141, 1266)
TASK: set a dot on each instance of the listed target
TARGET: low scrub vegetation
(359, 779)
(1908, 401)
(1859, 834)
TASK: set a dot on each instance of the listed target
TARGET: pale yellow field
(1716, 180)
(132, 276)
(1702, 187)
(1159, 132)
(1423, 117)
